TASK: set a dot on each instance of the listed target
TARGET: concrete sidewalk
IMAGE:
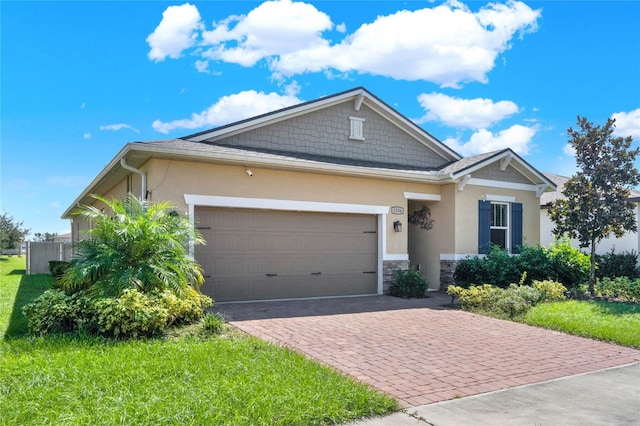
(606, 397)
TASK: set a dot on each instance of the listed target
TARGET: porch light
(397, 226)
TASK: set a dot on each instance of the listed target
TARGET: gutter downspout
(143, 194)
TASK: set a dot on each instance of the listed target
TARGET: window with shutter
(356, 128)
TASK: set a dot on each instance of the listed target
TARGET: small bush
(535, 261)
(569, 264)
(482, 296)
(472, 270)
(212, 324)
(620, 288)
(614, 265)
(186, 310)
(409, 283)
(516, 300)
(133, 314)
(552, 291)
(52, 312)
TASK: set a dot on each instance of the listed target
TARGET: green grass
(609, 321)
(231, 379)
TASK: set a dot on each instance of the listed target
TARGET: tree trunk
(592, 270)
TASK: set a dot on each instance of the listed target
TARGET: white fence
(39, 255)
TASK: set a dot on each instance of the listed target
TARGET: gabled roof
(360, 96)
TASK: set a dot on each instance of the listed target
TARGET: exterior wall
(326, 133)
(466, 225)
(493, 172)
(170, 180)
(628, 242)
(425, 246)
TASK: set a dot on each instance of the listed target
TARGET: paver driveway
(419, 352)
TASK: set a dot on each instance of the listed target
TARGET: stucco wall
(628, 242)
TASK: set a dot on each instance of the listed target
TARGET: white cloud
(202, 66)
(468, 113)
(119, 126)
(517, 137)
(232, 108)
(177, 31)
(447, 44)
(627, 124)
(86, 135)
(569, 150)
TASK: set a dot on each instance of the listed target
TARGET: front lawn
(610, 321)
(232, 379)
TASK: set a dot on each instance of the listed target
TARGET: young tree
(596, 199)
(134, 244)
(11, 233)
(47, 236)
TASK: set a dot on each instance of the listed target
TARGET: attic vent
(356, 128)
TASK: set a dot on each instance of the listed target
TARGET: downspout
(143, 191)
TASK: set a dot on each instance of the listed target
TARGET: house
(630, 241)
(313, 200)
(63, 238)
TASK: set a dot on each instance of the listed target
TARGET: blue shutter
(516, 227)
(484, 226)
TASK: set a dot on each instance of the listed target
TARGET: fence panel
(39, 255)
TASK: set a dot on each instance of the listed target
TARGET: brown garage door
(267, 254)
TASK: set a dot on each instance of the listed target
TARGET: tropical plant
(134, 244)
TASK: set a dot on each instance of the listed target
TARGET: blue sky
(81, 79)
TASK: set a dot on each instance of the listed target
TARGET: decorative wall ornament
(421, 218)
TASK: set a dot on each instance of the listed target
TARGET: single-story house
(630, 241)
(313, 200)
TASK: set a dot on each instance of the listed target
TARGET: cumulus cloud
(232, 108)
(627, 124)
(87, 135)
(447, 44)
(119, 126)
(518, 138)
(468, 113)
(177, 31)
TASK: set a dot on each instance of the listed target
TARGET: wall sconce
(397, 226)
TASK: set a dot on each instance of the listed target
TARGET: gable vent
(356, 128)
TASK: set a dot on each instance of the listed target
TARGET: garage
(253, 254)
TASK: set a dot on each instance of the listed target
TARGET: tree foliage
(596, 199)
(44, 237)
(11, 232)
(134, 245)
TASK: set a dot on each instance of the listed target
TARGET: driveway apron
(419, 352)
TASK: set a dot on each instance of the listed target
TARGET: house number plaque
(397, 210)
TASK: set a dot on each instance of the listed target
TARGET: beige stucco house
(629, 242)
(313, 200)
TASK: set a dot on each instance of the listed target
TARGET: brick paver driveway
(419, 352)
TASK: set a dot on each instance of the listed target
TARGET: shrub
(409, 283)
(552, 291)
(482, 296)
(131, 315)
(621, 288)
(516, 299)
(52, 312)
(497, 267)
(472, 270)
(614, 264)
(186, 310)
(569, 264)
(535, 261)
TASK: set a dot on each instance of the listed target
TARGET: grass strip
(232, 379)
(609, 321)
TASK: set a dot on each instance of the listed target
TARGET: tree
(596, 199)
(134, 245)
(11, 233)
(47, 236)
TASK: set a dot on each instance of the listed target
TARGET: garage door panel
(263, 254)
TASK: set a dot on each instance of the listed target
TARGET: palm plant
(138, 245)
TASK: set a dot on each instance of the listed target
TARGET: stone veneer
(447, 268)
(389, 268)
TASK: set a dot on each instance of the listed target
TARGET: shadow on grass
(618, 308)
(31, 286)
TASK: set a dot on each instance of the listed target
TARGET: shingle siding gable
(325, 132)
(493, 172)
